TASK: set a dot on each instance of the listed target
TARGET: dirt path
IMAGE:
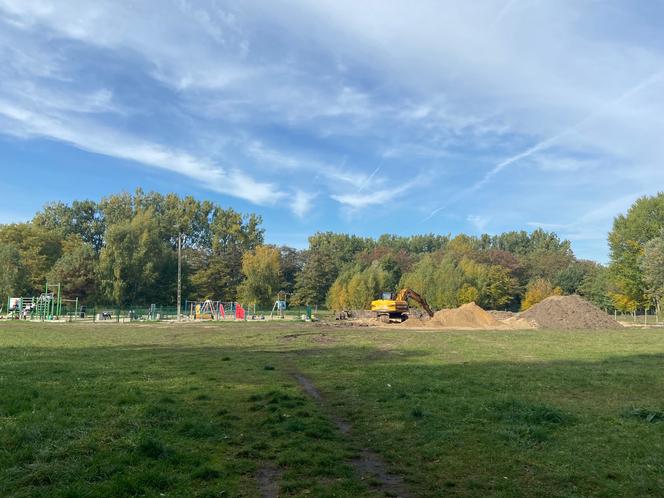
(268, 478)
(368, 465)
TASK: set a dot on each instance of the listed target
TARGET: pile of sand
(517, 323)
(501, 315)
(568, 313)
(467, 316)
(416, 322)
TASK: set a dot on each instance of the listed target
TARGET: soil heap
(568, 313)
(467, 316)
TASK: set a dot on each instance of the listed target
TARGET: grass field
(267, 409)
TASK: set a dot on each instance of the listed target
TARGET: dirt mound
(516, 323)
(568, 313)
(416, 322)
(467, 316)
(501, 315)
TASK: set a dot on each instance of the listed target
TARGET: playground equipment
(280, 304)
(47, 306)
(214, 310)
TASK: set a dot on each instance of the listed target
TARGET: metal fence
(110, 314)
(640, 319)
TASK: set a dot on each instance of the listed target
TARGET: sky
(364, 117)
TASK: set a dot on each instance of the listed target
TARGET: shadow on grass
(140, 418)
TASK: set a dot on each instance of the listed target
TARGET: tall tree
(218, 264)
(76, 270)
(82, 218)
(261, 268)
(292, 262)
(136, 266)
(39, 249)
(13, 274)
(652, 266)
(643, 222)
(328, 254)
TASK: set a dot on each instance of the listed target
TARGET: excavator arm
(405, 294)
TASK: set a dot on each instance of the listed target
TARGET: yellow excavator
(392, 307)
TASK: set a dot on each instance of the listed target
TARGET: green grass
(200, 410)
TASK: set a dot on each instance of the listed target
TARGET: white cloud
(301, 203)
(94, 138)
(553, 101)
(359, 200)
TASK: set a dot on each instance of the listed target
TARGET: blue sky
(364, 117)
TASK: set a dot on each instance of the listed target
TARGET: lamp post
(179, 273)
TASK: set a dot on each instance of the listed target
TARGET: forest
(122, 251)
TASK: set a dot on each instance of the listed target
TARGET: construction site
(553, 313)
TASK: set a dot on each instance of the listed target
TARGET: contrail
(503, 11)
(365, 182)
(545, 144)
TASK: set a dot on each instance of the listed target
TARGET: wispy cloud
(554, 105)
(302, 203)
(359, 200)
(93, 138)
(366, 182)
(549, 142)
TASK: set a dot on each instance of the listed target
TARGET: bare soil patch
(268, 478)
(368, 464)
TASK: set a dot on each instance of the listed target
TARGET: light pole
(179, 273)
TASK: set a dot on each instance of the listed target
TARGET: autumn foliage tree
(538, 290)
(262, 276)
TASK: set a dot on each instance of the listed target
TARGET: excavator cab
(394, 308)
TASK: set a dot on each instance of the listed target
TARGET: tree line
(122, 250)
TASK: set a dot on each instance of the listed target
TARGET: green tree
(292, 262)
(596, 287)
(571, 278)
(76, 270)
(39, 249)
(643, 222)
(13, 274)
(217, 265)
(82, 218)
(136, 266)
(547, 263)
(356, 288)
(494, 285)
(468, 294)
(652, 266)
(262, 271)
(327, 256)
(437, 278)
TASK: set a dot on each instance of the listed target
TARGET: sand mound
(501, 315)
(415, 322)
(568, 313)
(516, 323)
(467, 316)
